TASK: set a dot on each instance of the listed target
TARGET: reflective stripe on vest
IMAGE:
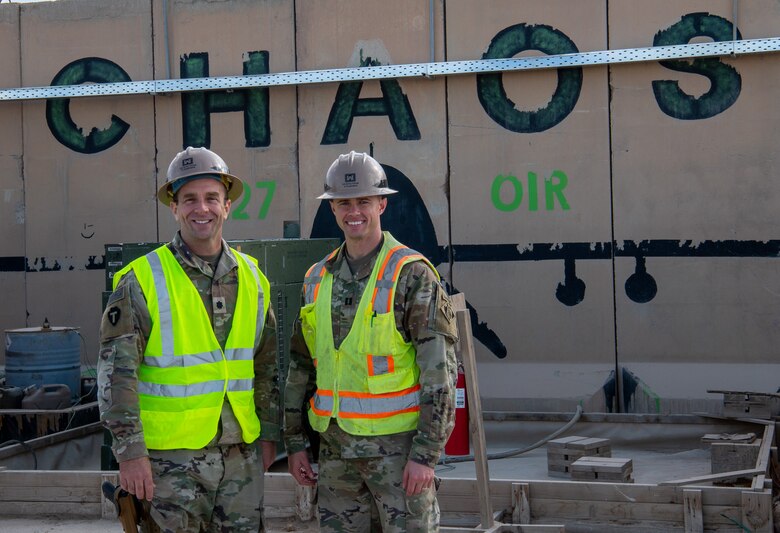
(182, 382)
(384, 290)
(322, 402)
(388, 275)
(261, 304)
(376, 393)
(313, 277)
(362, 405)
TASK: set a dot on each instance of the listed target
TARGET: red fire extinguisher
(458, 444)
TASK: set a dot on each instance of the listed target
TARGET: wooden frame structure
(688, 505)
(575, 506)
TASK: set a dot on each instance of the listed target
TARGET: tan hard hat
(355, 175)
(196, 163)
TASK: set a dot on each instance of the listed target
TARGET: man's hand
(269, 453)
(135, 476)
(301, 469)
(416, 478)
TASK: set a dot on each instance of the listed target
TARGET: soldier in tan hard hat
(187, 372)
(374, 342)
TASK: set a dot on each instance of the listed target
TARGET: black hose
(511, 453)
(25, 446)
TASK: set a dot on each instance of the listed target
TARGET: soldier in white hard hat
(187, 374)
(373, 349)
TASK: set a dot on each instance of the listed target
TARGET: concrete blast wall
(613, 227)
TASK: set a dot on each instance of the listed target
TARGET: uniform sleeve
(301, 381)
(124, 329)
(267, 380)
(429, 323)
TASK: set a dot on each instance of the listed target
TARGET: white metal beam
(427, 70)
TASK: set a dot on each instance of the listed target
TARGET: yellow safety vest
(370, 385)
(185, 375)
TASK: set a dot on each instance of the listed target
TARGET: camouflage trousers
(217, 488)
(351, 490)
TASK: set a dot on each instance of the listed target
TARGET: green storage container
(113, 263)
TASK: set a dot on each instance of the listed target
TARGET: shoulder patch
(118, 294)
(443, 321)
(117, 317)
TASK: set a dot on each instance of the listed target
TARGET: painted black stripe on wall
(464, 253)
(44, 264)
(605, 250)
(12, 264)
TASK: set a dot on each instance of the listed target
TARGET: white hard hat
(195, 163)
(354, 175)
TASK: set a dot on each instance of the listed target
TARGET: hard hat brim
(378, 191)
(233, 192)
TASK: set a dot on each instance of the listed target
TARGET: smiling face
(358, 218)
(201, 208)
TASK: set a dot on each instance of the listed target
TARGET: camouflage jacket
(125, 329)
(424, 317)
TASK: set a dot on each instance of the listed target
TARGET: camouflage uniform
(356, 471)
(219, 487)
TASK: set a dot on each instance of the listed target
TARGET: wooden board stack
(561, 453)
(614, 469)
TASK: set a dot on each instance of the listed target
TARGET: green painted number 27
(239, 212)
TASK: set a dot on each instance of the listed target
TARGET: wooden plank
(757, 511)
(279, 490)
(63, 509)
(713, 477)
(107, 508)
(539, 528)
(586, 504)
(617, 469)
(305, 502)
(728, 456)
(749, 393)
(638, 513)
(694, 519)
(591, 443)
(466, 348)
(741, 438)
(616, 465)
(521, 503)
(509, 528)
(759, 421)
(47, 440)
(563, 442)
(457, 495)
(67, 411)
(466, 520)
(49, 478)
(698, 418)
(570, 457)
(604, 477)
(739, 409)
(44, 494)
(763, 456)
